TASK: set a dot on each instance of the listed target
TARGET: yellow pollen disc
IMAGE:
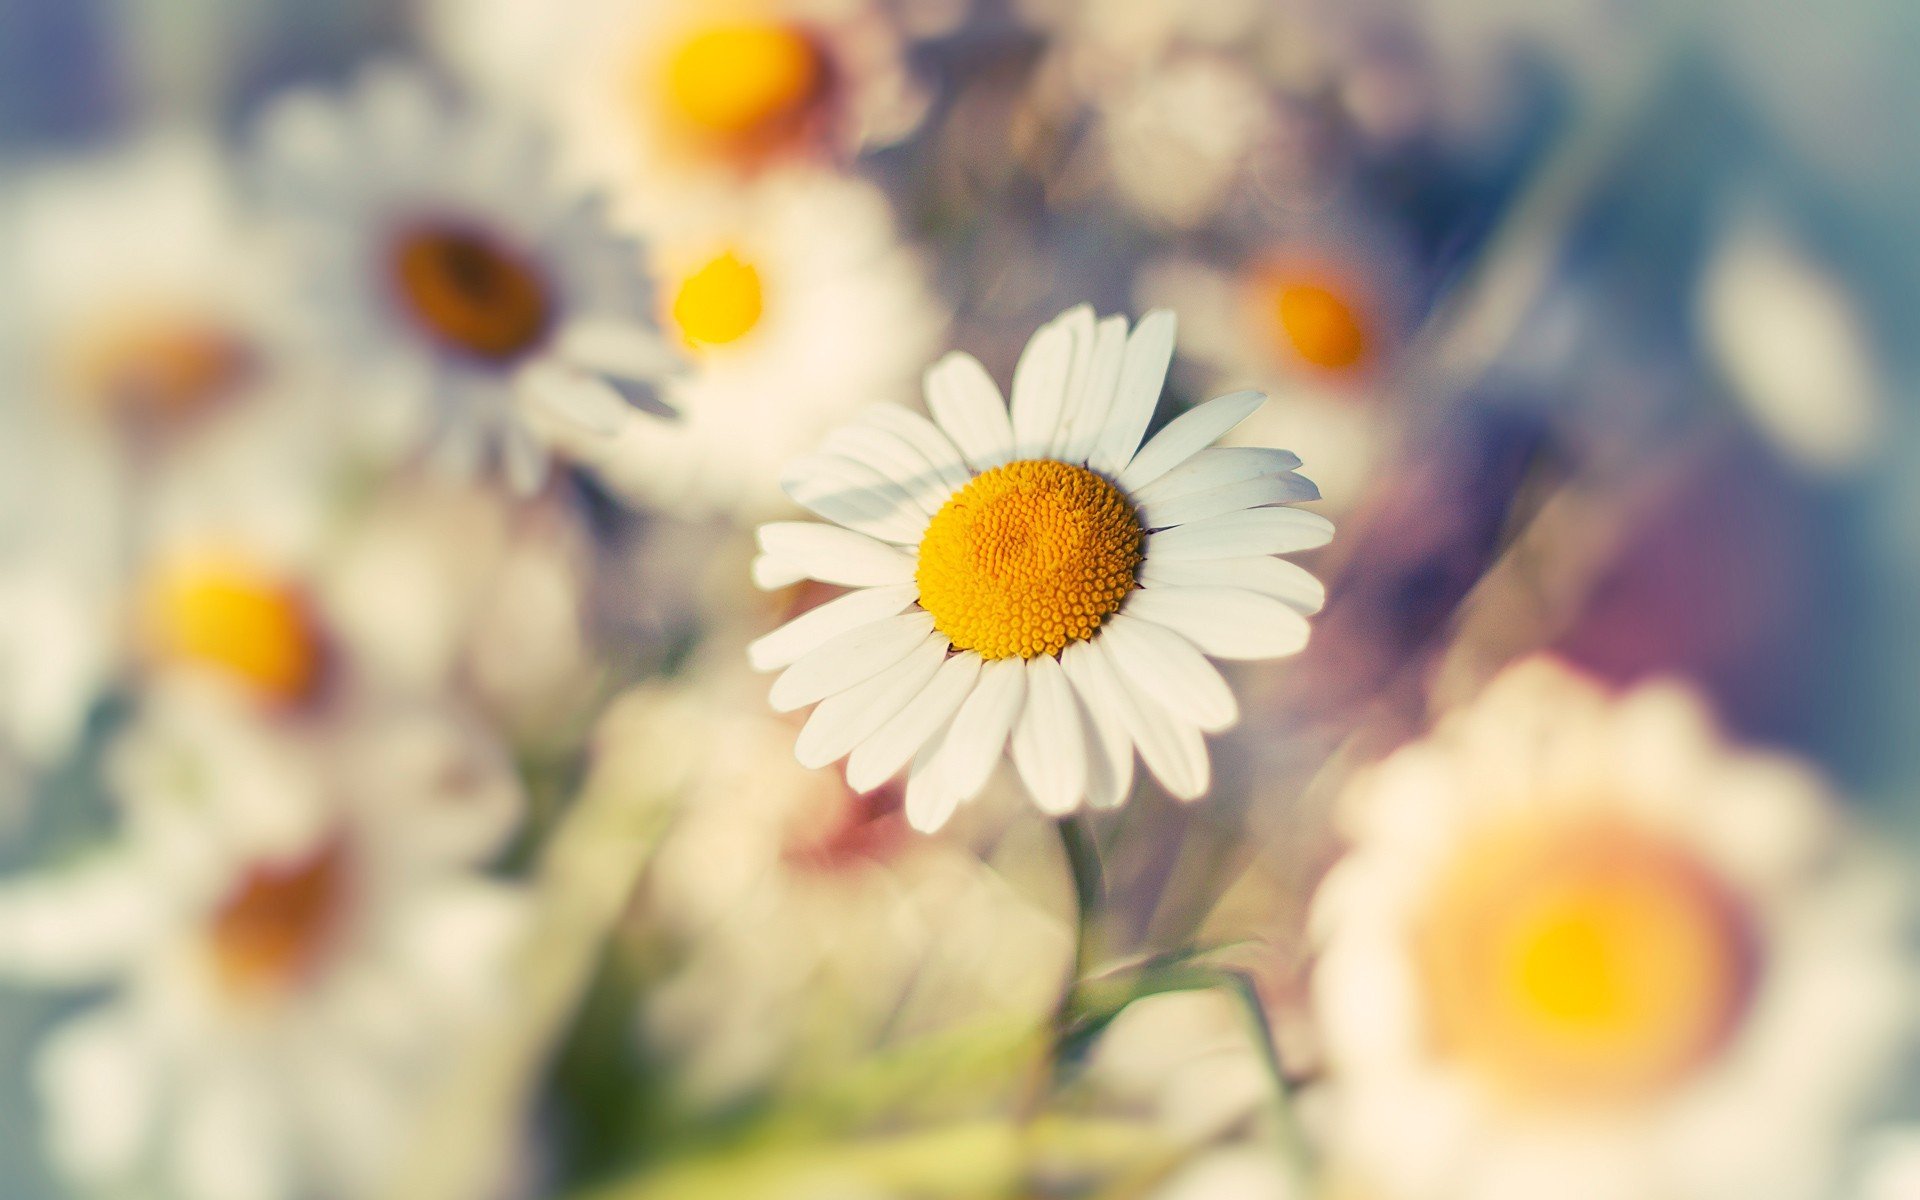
(159, 368)
(224, 616)
(749, 84)
(468, 291)
(719, 303)
(1320, 325)
(1027, 558)
(1590, 963)
(274, 928)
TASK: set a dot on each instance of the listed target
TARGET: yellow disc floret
(719, 303)
(1027, 558)
(1320, 325)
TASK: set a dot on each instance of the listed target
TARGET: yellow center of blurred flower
(469, 291)
(719, 303)
(1320, 325)
(1028, 557)
(271, 932)
(747, 85)
(159, 368)
(218, 614)
(1586, 964)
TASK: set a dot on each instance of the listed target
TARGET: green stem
(1082, 855)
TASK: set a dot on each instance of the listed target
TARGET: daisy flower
(769, 291)
(290, 934)
(1582, 948)
(656, 98)
(1031, 577)
(478, 301)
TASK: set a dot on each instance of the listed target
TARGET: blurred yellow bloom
(720, 302)
(218, 613)
(746, 85)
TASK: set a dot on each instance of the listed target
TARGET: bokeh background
(1595, 323)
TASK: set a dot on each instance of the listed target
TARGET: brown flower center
(469, 291)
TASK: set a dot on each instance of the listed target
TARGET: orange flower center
(222, 615)
(160, 368)
(469, 291)
(274, 929)
(1320, 325)
(745, 86)
(1593, 963)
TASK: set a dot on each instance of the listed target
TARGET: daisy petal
(616, 346)
(881, 756)
(1049, 743)
(525, 459)
(771, 573)
(973, 742)
(1223, 622)
(1241, 534)
(1172, 749)
(1217, 465)
(1109, 749)
(1165, 666)
(856, 496)
(1095, 396)
(1079, 323)
(1040, 388)
(852, 657)
(844, 720)
(835, 555)
(924, 436)
(930, 804)
(966, 404)
(812, 628)
(1143, 372)
(1233, 497)
(586, 402)
(1187, 435)
(1289, 583)
(895, 459)
(102, 1089)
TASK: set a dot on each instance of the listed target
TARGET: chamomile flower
(1578, 948)
(290, 931)
(770, 291)
(477, 300)
(1031, 578)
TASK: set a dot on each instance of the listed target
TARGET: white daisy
(1582, 948)
(660, 99)
(470, 296)
(1031, 577)
(771, 289)
(291, 933)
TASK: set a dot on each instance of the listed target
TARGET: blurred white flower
(1031, 579)
(774, 291)
(1582, 948)
(660, 99)
(292, 929)
(473, 301)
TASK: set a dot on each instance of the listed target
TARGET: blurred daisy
(653, 97)
(771, 292)
(475, 300)
(291, 934)
(1579, 949)
(1031, 577)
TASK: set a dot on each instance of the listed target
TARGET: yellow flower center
(154, 367)
(1027, 558)
(747, 85)
(720, 302)
(468, 291)
(225, 616)
(1590, 963)
(271, 932)
(1320, 325)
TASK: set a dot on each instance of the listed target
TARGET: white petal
(1143, 372)
(881, 756)
(1223, 622)
(1241, 534)
(1232, 497)
(1079, 323)
(100, 1082)
(230, 1140)
(1109, 749)
(83, 924)
(1188, 434)
(856, 496)
(845, 720)
(930, 803)
(1040, 388)
(844, 661)
(525, 459)
(770, 573)
(835, 555)
(924, 436)
(617, 346)
(812, 628)
(1049, 741)
(1289, 583)
(963, 399)
(587, 402)
(1165, 666)
(973, 742)
(1095, 400)
(1172, 749)
(1217, 465)
(894, 457)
